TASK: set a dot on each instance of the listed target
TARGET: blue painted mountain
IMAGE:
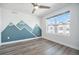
(19, 32)
(22, 25)
(12, 33)
(37, 30)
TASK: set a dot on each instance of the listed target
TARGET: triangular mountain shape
(22, 25)
(25, 34)
(37, 30)
(12, 33)
(11, 24)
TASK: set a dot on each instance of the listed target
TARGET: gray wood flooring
(37, 47)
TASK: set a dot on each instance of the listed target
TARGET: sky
(59, 19)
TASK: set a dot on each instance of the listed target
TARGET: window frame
(55, 24)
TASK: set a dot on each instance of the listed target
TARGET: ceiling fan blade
(46, 7)
(33, 10)
(34, 4)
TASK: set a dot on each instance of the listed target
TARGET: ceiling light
(36, 7)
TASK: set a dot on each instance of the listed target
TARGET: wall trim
(19, 41)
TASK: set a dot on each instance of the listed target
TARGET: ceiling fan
(36, 6)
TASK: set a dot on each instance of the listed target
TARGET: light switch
(8, 37)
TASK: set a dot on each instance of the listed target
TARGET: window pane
(51, 21)
(59, 23)
(63, 18)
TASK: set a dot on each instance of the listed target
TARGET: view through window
(59, 24)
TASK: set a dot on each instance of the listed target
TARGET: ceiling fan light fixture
(36, 7)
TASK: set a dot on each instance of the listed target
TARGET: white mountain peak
(11, 24)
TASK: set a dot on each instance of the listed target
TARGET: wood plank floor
(37, 47)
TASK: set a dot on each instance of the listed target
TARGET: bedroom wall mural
(19, 31)
(16, 25)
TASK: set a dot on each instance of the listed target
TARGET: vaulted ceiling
(27, 7)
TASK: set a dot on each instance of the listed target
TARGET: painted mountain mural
(37, 30)
(22, 25)
(18, 32)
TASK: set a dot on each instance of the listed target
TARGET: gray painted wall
(71, 41)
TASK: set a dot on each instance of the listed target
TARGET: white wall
(16, 16)
(71, 41)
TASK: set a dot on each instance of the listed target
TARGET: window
(59, 24)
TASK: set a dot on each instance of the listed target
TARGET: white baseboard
(19, 41)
